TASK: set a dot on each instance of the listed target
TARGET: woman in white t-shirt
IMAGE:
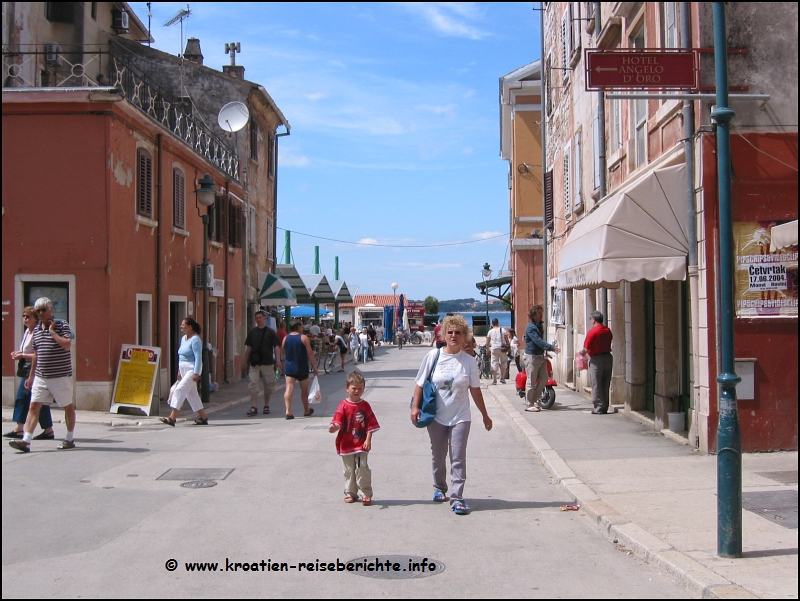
(456, 379)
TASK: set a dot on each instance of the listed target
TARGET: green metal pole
(316, 259)
(729, 441)
(336, 303)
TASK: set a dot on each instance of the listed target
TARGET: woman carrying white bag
(298, 355)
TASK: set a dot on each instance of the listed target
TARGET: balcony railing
(54, 68)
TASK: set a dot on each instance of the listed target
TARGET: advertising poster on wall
(766, 281)
(557, 303)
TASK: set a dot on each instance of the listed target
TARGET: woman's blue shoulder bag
(428, 408)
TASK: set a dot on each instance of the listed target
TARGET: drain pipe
(694, 307)
(601, 146)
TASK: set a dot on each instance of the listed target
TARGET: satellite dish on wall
(233, 116)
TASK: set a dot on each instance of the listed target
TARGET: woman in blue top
(190, 366)
(298, 357)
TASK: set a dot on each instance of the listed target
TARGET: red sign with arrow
(634, 69)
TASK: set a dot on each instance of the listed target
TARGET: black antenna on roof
(179, 18)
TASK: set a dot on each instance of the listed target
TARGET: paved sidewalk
(228, 396)
(657, 497)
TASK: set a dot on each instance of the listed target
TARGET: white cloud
(372, 241)
(447, 109)
(486, 235)
(316, 96)
(448, 18)
(288, 158)
(467, 150)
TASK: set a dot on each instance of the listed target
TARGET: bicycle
(331, 355)
(484, 362)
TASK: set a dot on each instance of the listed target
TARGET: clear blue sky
(395, 129)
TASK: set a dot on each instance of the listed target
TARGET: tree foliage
(431, 304)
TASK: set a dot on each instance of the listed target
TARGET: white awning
(783, 236)
(639, 232)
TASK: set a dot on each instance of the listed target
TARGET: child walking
(355, 422)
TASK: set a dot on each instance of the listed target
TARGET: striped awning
(276, 292)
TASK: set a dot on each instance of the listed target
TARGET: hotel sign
(632, 69)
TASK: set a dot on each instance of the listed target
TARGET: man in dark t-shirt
(263, 355)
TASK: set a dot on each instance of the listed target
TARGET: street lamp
(206, 195)
(394, 315)
(486, 273)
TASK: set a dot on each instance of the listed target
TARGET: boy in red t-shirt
(355, 423)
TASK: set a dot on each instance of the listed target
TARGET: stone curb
(694, 577)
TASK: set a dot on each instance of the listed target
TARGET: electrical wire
(394, 245)
(762, 151)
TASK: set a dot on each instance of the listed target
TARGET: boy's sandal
(349, 499)
(439, 497)
(252, 411)
(201, 422)
(366, 501)
(266, 410)
(168, 421)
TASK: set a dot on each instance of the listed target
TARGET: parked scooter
(548, 397)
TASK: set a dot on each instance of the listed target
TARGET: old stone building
(634, 232)
(112, 152)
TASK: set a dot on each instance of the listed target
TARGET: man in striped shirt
(50, 379)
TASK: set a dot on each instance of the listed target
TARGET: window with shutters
(597, 147)
(548, 84)
(144, 183)
(669, 25)
(272, 149)
(235, 225)
(270, 238)
(253, 229)
(640, 112)
(178, 199)
(61, 12)
(549, 217)
(566, 44)
(567, 182)
(577, 196)
(575, 29)
(253, 139)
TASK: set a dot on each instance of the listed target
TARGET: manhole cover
(777, 506)
(786, 477)
(199, 484)
(394, 566)
(191, 473)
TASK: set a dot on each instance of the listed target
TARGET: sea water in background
(504, 317)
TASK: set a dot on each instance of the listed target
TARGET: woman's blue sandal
(460, 508)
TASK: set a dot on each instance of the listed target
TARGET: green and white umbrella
(276, 292)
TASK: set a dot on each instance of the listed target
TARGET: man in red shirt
(598, 346)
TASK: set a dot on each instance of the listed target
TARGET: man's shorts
(52, 391)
